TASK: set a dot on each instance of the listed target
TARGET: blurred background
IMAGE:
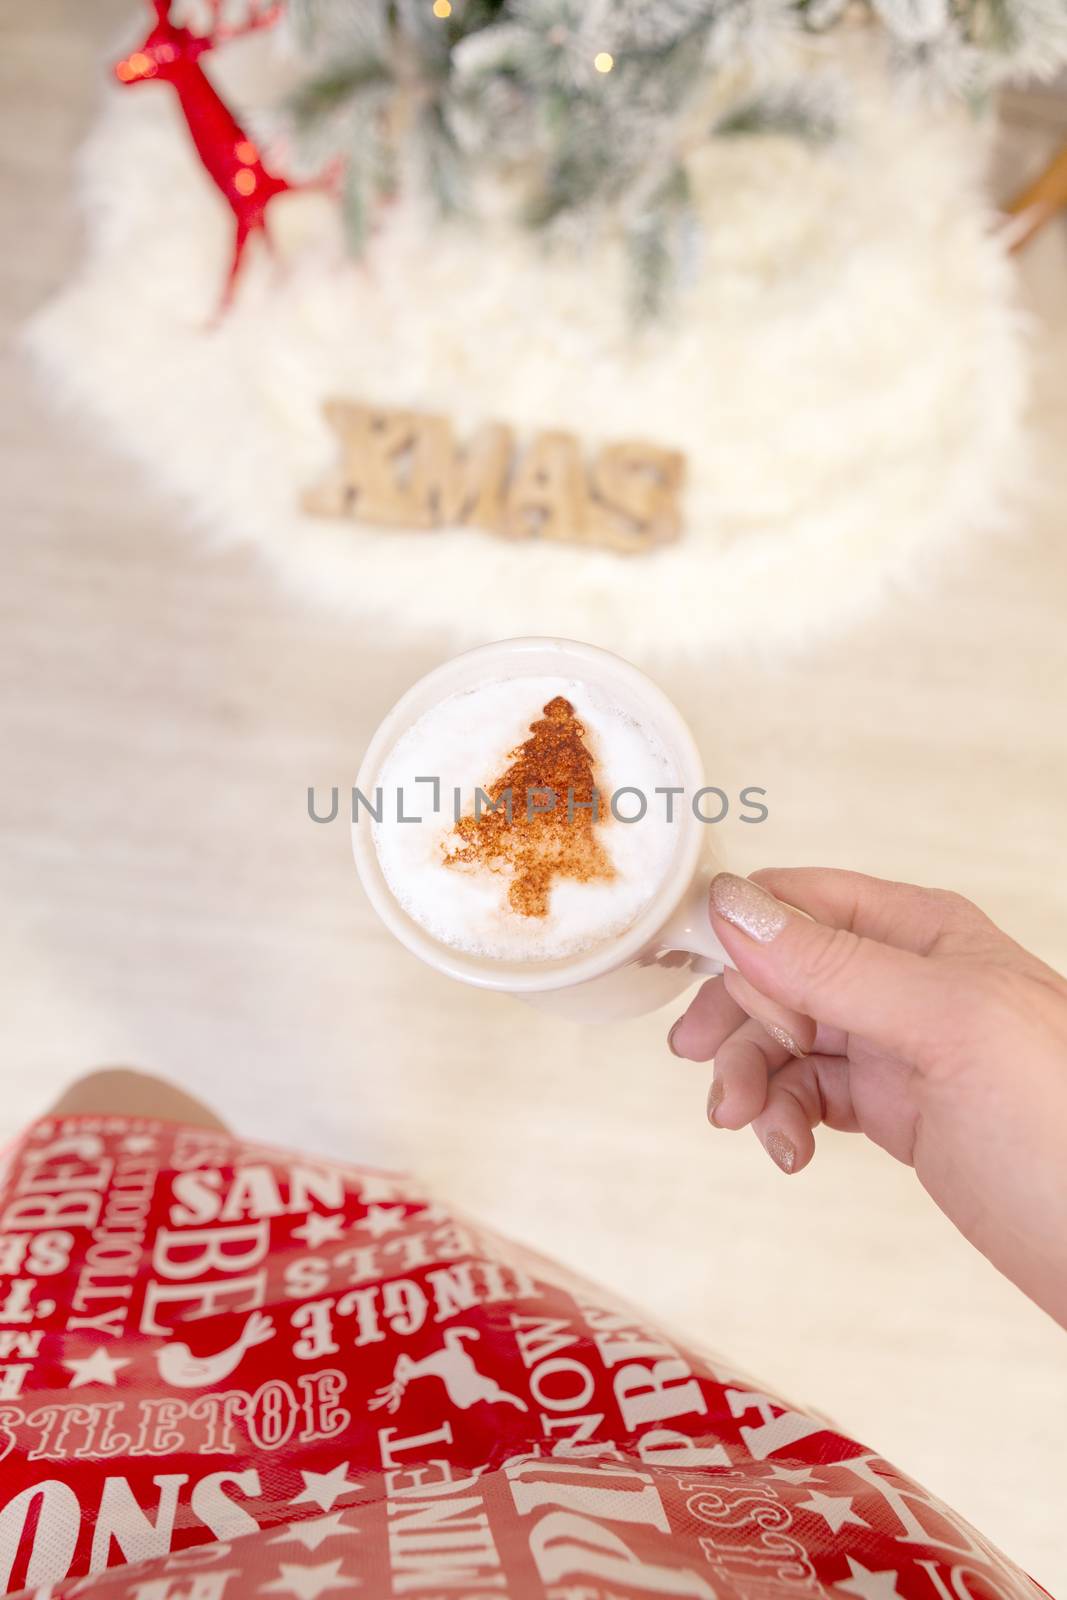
(862, 610)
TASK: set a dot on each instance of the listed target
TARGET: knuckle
(799, 1082)
(963, 925)
(955, 922)
(829, 954)
(955, 905)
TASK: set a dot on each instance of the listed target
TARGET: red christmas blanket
(231, 1371)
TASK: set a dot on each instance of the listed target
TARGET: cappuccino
(503, 826)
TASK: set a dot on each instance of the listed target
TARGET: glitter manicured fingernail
(782, 1151)
(783, 1037)
(715, 1094)
(748, 907)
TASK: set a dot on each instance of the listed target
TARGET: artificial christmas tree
(574, 112)
(822, 328)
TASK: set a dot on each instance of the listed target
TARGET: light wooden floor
(165, 900)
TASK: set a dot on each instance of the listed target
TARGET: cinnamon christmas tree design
(549, 829)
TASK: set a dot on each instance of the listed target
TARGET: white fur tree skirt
(845, 377)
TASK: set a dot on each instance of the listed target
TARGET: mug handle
(689, 928)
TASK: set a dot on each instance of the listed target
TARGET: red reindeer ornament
(171, 54)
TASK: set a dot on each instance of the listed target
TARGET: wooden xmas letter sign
(405, 469)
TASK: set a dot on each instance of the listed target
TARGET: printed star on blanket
(383, 1219)
(319, 1229)
(792, 1474)
(308, 1583)
(97, 1368)
(867, 1585)
(323, 1488)
(835, 1509)
(314, 1532)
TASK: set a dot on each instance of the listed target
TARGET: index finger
(904, 915)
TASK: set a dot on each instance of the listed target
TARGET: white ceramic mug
(659, 954)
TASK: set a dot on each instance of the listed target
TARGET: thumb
(893, 997)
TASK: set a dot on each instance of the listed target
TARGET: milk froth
(466, 898)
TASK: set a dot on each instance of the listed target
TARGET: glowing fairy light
(603, 61)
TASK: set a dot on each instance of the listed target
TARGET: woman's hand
(904, 1014)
